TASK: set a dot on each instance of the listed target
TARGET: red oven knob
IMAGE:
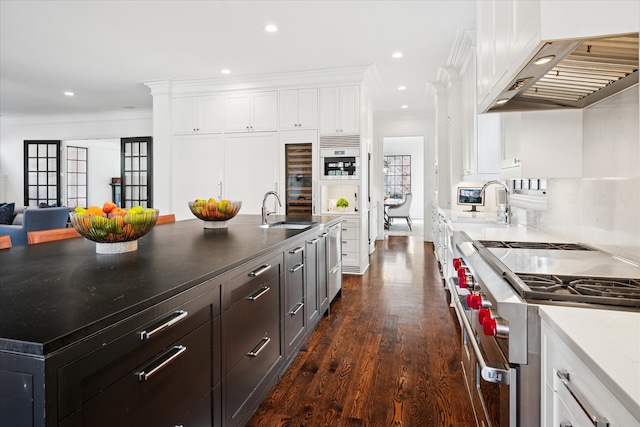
(474, 302)
(490, 326)
(483, 313)
(462, 281)
(457, 263)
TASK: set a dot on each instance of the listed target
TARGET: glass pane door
(42, 173)
(136, 169)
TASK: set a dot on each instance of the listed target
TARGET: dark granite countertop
(54, 294)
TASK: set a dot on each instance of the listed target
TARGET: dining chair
(165, 219)
(5, 242)
(42, 236)
(401, 210)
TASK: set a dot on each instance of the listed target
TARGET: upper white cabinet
(252, 111)
(541, 144)
(196, 114)
(299, 109)
(340, 110)
(511, 32)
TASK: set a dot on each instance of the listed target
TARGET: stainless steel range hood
(579, 73)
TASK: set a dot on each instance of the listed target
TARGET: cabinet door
(197, 170)
(349, 109)
(311, 281)
(294, 310)
(511, 139)
(329, 110)
(308, 108)
(264, 111)
(183, 115)
(237, 115)
(209, 114)
(251, 169)
(289, 118)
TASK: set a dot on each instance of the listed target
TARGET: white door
(251, 169)
(197, 170)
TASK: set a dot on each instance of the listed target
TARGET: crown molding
(78, 118)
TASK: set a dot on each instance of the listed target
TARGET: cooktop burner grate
(534, 245)
(598, 290)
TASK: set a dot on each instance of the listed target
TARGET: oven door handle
(492, 374)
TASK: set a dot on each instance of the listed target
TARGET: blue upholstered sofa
(34, 219)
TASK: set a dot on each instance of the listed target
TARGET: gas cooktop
(567, 272)
(534, 245)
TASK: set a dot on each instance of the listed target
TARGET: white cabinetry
(251, 169)
(541, 144)
(299, 109)
(197, 170)
(351, 241)
(196, 114)
(249, 112)
(340, 110)
(566, 402)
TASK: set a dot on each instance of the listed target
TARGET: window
(41, 173)
(397, 175)
(77, 176)
(136, 169)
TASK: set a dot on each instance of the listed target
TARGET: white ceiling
(103, 50)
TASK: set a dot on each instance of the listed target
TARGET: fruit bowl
(215, 213)
(109, 229)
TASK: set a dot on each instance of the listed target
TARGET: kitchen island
(79, 330)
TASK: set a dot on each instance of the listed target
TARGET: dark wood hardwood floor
(388, 354)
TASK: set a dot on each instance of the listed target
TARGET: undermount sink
(288, 224)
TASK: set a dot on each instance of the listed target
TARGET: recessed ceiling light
(404, 106)
(502, 101)
(544, 60)
(270, 28)
(402, 87)
(69, 93)
(397, 55)
(225, 71)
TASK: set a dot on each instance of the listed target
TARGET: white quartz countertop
(608, 342)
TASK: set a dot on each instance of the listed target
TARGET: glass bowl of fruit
(114, 229)
(215, 213)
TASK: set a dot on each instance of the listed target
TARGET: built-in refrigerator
(298, 161)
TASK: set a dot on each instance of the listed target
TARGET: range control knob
(483, 313)
(457, 263)
(490, 326)
(465, 280)
(474, 302)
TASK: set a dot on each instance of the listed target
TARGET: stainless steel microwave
(340, 164)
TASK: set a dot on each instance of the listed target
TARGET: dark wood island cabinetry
(192, 329)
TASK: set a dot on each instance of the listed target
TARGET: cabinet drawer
(86, 377)
(294, 322)
(350, 258)
(350, 231)
(246, 320)
(156, 392)
(245, 379)
(350, 245)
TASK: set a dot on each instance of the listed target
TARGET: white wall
(603, 207)
(414, 147)
(403, 123)
(13, 133)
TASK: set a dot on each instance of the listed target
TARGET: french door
(137, 173)
(41, 173)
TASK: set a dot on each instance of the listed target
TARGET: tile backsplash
(602, 208)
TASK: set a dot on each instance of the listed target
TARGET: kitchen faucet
(265, 212)
(507, 206)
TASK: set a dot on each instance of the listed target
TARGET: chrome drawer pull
(259, 347)
(174, 318)
(296, 250)
(596, 419)
(157, 366)
(324, 234)
(259, 293)
(297, 308)
(296, 267)
(312, 241)
(260, 270)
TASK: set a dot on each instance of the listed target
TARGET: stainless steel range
(499, 287)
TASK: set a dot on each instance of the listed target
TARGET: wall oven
(340, 164)
(496, 292)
